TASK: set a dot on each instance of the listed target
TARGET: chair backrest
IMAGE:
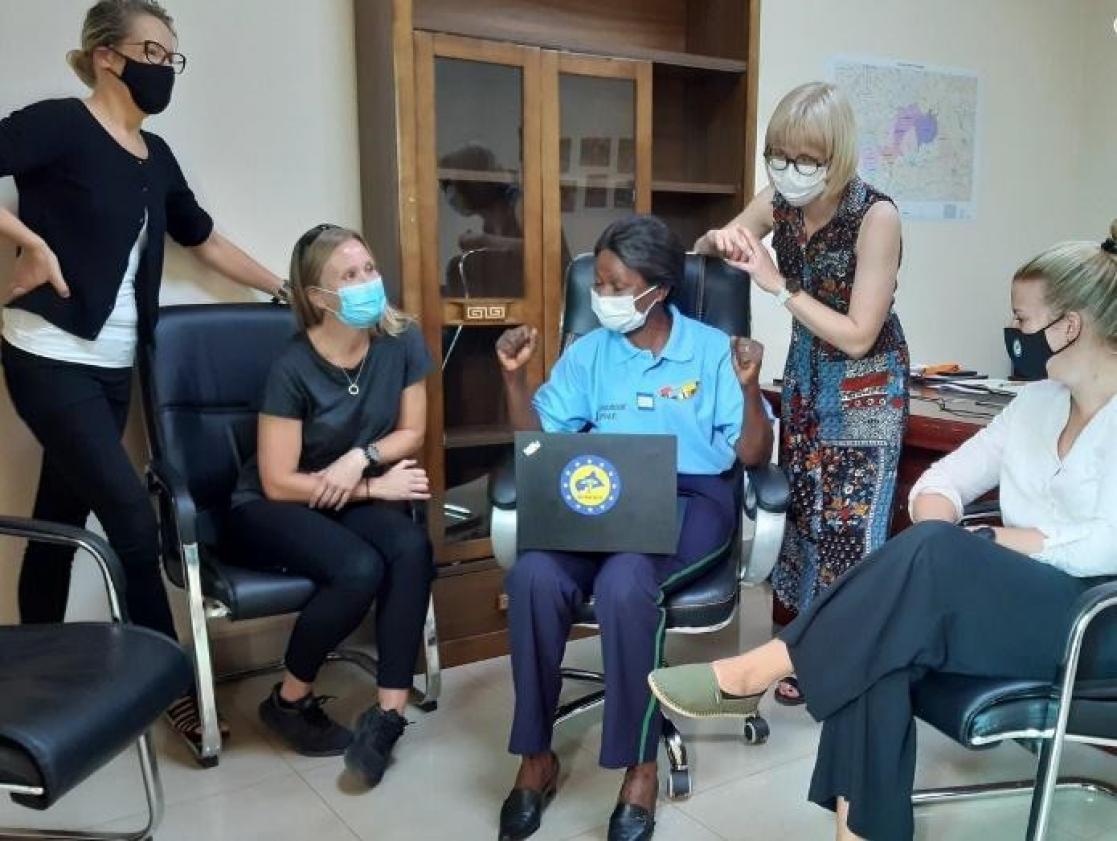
(711, 291)
(202, 381)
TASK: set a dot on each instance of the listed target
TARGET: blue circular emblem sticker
(590, 485)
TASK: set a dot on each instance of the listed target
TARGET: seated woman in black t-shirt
(343, 401)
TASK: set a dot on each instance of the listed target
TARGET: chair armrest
(768, 490)
(112, 572)
(164, 479)
(502, 482)
(988, 509)
(1090, 604)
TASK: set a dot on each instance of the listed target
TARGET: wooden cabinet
(498, 138)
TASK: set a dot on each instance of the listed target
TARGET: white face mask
(618, 312)
(798, 189)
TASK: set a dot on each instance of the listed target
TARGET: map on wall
(917, 133)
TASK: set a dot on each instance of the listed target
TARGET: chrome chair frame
(1090, 605)
(163, 479)
(112, 577)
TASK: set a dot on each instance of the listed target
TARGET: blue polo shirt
(607, 384)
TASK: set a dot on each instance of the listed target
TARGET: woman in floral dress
(845, 388)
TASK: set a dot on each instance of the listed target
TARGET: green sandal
(693, 691)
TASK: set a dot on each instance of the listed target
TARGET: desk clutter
(952, 377)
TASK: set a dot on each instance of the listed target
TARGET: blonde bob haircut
(817, 115)
(308, 260)
(1080, 277)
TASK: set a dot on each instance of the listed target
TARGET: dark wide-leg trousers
(545, 588)
(935, 598)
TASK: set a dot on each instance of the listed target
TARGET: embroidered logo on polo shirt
(590, 485)
(682, 392)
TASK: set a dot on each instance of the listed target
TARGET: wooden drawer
(470, 603)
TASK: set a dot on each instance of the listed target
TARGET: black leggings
(935, 598)
(365, 552)
(77, 413)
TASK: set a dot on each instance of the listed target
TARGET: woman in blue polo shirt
(649, 369)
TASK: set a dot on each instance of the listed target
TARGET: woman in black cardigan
(97, 194)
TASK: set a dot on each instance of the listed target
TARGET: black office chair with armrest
(983, 712)
(717, 294)
(74, 696)
(202, 381)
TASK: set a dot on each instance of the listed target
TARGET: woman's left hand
(758, 263)
(747, 356)
(337, 482)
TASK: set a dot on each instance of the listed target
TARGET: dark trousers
(935, 598)
(545, 588)
(366, 552)
(77, 413)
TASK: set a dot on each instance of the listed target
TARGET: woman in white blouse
(978, 601)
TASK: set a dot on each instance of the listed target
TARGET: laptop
(597, 493)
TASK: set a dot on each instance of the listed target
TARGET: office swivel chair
(74, 696)
(717, 294)
(983, 712)
(202, 381)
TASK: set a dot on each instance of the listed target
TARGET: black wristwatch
(372, 453)
(988, 532)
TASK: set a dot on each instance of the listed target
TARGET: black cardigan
(85, 195)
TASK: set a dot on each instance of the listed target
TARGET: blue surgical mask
(360, 304)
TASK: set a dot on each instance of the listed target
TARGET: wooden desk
(939, 423)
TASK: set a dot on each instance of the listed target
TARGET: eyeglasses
(804, 164)
(156, 53)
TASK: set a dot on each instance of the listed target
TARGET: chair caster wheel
(678, 784)
(428, 706)
(756, 731)
(208, 761)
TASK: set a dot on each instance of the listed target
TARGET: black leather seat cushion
(705, 602)
(73, 696)
(251, 594)
(967, 708)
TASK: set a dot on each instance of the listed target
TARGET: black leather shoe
(522, 811)
(630, 822)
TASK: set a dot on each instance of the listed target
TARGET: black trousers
(935, 598)
(366, 552)
(77, 413)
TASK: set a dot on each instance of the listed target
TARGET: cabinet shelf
(694, 187)
(480, 176)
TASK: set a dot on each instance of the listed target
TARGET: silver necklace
(354, 389)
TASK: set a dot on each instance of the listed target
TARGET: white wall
(264, 125)
(1048, 119)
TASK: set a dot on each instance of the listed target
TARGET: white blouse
(1072, 500)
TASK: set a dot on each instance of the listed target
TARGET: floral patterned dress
(842, 419)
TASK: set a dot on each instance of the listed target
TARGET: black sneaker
(304, 726)
(377, 733)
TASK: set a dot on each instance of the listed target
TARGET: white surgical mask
(618, 312)
(798, 189)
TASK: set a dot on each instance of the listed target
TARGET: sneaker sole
(675, 708)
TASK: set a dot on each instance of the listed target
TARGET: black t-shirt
(304, 386)
(86, 196)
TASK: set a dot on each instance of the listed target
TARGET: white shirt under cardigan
(1072, 500)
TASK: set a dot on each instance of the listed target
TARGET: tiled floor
(452, 772)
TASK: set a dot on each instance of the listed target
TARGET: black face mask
(1029, 352)
(149, 84)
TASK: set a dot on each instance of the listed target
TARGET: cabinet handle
(502, 603)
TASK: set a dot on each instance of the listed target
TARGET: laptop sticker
(532, 448)
(590, 485)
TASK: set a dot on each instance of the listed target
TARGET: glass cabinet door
(596, 161)
(478, 156)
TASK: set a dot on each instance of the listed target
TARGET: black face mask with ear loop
(149, 84)
(1030, 352)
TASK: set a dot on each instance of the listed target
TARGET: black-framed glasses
(156, 53)
(804, 164)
